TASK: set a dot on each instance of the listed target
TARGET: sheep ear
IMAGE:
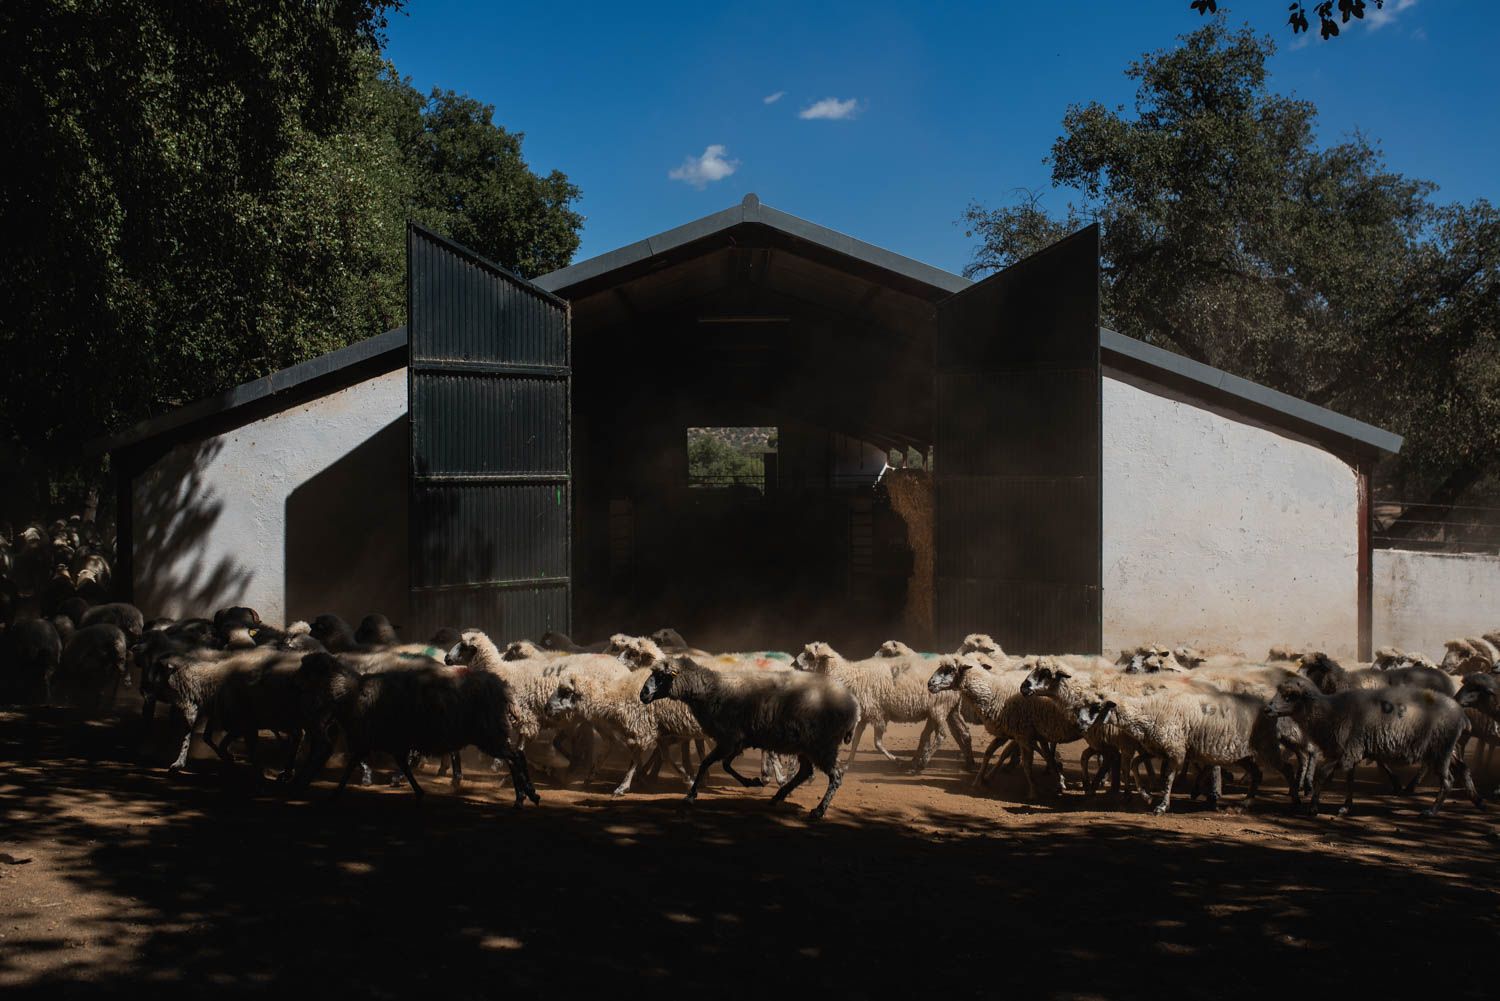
(1061, 673)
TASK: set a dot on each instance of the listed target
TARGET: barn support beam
(1365, 585)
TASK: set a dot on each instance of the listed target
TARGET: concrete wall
(1421, 600)
(1221, 533)
(301, 512)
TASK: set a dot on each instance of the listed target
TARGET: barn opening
(736, 405)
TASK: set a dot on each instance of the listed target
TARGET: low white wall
(1422, 600)
(297, 513)
(1221, 533)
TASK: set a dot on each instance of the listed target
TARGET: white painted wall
(300, 512)
(1422, 600)
(1221, 533)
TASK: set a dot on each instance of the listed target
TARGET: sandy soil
(116, 877)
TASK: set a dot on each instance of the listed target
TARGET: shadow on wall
(346, 544)
(175, 512)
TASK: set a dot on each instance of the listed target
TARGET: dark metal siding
(491, 486)
(1018, 520)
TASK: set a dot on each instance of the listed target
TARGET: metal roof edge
(751, 210)
(1321, 419)
(329, 364)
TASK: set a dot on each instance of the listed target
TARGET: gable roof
(386, 351)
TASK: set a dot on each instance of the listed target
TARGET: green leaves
(1232, 237)
(210, 192)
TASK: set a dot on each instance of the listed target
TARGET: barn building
(534, 455)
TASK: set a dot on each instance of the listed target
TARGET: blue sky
(953, 102)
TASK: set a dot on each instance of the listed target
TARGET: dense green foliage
(1231, 236)
(714, 462)
(205, 193)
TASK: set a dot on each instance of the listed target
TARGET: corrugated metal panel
(510, 424)
(1017, 520)
(481, 532)
(491, 491)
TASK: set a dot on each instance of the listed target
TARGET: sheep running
(808, 717)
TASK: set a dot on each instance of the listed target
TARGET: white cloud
(1378, 19)
(773, 98)
(700, 171)
(830, 108)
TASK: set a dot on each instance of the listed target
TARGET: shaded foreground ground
(140, 882)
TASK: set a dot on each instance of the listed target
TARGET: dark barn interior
(748, 328)
(551, 478)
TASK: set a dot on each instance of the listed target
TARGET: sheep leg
(1169, 769)
(456, 761)
(703, 767)
(729, 767)
(1028, 760)
(635, 762)
(835, 779)
(804, 772)
(189, 712)
(1348, 792)
(403, 762)
(294, 744)
(653, 765)
(1396, 786)
(960, 731)
(932, 738)
(1252, 768)
(1049, 755)
(859, 732)
(354, 760)
(984, 765)
(880, 741)
(520, 774)
(685, 769)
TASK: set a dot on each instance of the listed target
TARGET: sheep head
(669, 639)
(663, 679)
(474, 647)
(981, 643)
(518, 650)
(329, 629)
(1292, 696)
(1045, 678)
(1322, 670)
(565, 700)
(1095, 712)
(950, 672)
(818, 658)
(1481, 692)
(635, 651)
(1464, 656)
(894, 648)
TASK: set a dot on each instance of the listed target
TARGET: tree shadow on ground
(209, 888)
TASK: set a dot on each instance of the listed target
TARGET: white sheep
(614, 707)
(1466, 655)
(892, 690)
(1034, 724)
(532, 675)
(1194, 722)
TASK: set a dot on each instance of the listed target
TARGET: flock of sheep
(1145, 718)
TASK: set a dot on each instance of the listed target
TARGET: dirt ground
(117, 878)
